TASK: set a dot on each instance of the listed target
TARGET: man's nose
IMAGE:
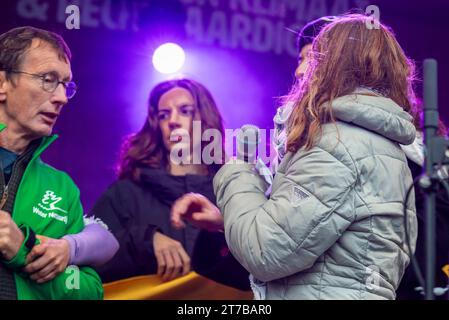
(59, 95)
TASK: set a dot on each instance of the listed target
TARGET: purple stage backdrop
(244, 51)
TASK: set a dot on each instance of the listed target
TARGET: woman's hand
(197, 209)
(172, 260)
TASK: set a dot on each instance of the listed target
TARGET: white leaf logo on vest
(47, 207)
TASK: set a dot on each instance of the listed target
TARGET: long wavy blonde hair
(344, 56)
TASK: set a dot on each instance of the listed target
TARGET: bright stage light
(168, 58)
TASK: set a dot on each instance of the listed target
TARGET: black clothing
(135, 210)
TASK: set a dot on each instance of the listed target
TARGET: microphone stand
(435, 154)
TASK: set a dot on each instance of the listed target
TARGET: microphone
(248, 139)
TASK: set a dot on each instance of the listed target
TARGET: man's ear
(3, 85)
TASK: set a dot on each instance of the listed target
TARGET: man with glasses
(50, 81)
(38, 203)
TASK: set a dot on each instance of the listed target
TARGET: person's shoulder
(55, 175)
(328, 149)
(124, 188)
(125, 193)
(124, 184)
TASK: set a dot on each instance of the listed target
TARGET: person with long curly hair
(333, 225)
(151, 178)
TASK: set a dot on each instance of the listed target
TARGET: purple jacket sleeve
(94, 246)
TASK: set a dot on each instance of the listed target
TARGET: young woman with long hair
(150, 178)
(332, 227)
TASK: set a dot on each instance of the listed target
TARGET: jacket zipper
(4, 196)
(5, 185)
(4, 188)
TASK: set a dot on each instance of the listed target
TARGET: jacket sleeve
(73, 283)
(19, 260)
(135, 255)
(307, 212)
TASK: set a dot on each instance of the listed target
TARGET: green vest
(48, 202)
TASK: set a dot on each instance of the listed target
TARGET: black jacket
(134, 211)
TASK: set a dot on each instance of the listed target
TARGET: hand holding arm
(47, 259)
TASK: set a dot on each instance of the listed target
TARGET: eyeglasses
(49, 82)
